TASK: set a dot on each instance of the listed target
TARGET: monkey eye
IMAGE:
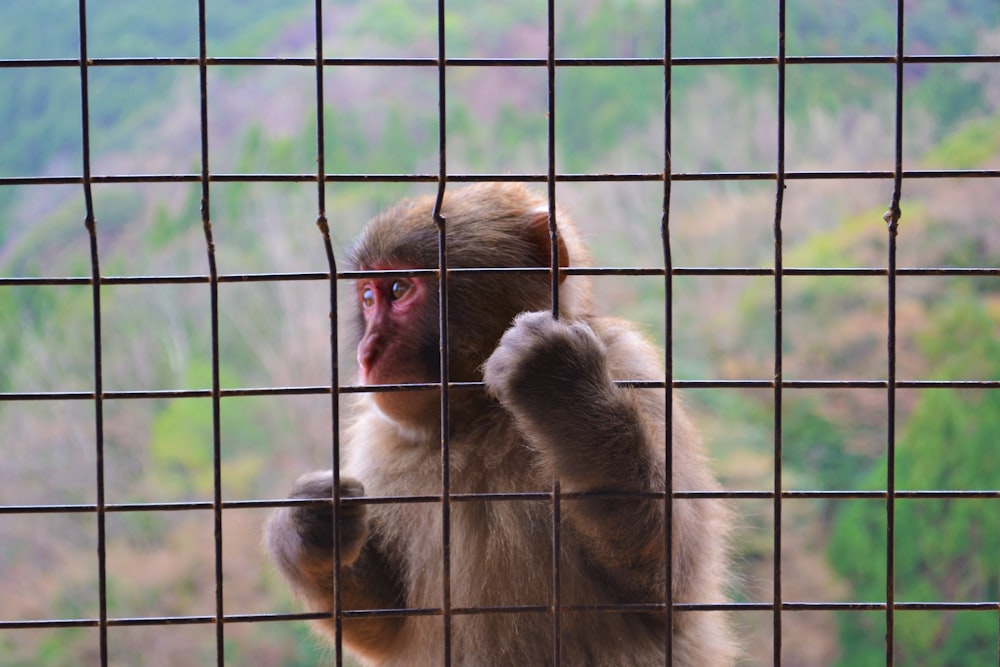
(368, 296)
(400, 288)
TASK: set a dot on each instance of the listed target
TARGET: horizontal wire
(708, 61)
(204, 619)
(313, 390)
(29, 281)
(847, 174)
(509, 496)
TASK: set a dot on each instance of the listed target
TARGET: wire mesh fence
(775, 611)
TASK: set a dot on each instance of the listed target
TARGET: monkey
(541, 404)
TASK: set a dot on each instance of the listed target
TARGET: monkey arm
(554, 379)
(371, 583)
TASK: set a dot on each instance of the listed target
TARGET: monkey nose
(368, 352)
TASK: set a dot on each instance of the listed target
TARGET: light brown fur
(551, 411)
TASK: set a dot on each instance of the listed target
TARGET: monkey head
(490, 225)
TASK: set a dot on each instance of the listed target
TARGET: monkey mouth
(391, 382)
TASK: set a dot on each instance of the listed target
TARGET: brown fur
(550, 411)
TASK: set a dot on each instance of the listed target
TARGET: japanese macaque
(548, 409)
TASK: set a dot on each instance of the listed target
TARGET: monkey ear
(538, 231)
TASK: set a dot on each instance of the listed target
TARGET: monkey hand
(303, 535)
(553, 378)
(548, 372)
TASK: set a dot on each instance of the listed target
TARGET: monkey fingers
(544, 363)
(552, 377)
(313, 523)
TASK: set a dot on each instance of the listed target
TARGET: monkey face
(399, 344)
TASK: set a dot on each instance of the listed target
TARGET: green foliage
(841, 27)
(40, 107)
(725, 28)
(39, 119)
(944, 548)
(962, 341)
(968, 147)
(165, 227)
(307, 650)
(950, 26)
(947, 96)
(180, 448)
(817, 446)
(756, 421)
(247, 26)
(395, 146)
(396, 22)
(630, 28)
(58, 648)
(181, 436)
(280, 155)
(586, 126)
(27, 312)
(971, 639)
(858, 544)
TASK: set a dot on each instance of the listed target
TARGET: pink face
(390, 351)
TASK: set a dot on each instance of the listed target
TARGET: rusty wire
(205, 178)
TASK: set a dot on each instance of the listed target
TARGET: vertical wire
(440, 221)
(550, 178)
(90, 222)
(206, 223)
(892, 220)
(550, 67)
(778, 335)
(668, 333)
(324, 227)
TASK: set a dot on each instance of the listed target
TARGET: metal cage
(779, 177)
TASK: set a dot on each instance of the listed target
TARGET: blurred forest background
(144, 120)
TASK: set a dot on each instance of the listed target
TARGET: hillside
(383, 120)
